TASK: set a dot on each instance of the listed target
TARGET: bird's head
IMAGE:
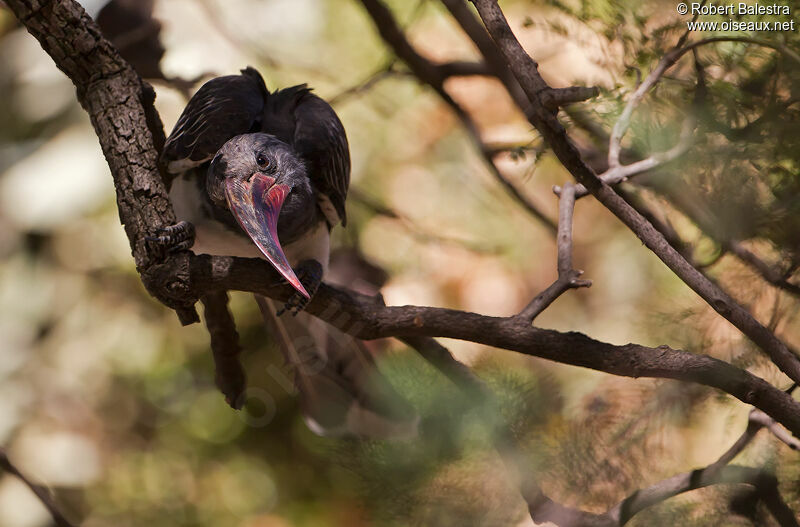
(259, 178)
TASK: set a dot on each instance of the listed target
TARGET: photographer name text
(740, 8)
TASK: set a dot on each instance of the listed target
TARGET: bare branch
(422, 234)
(568, 278)
(766, 270)
(362, 317)
(619, 173)
(229, 377)
(715, 473)
(777, 430)
(624, 121)
(474, 29)
(559, 97)
(367, 84)
(432, 75)
(462, 68)
(666, 62)
(41, 492)
(525, 69)
(766, 485)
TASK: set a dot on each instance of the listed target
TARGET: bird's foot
(172, 238)
(309, 272)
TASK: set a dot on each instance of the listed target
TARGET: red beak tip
(302, 291)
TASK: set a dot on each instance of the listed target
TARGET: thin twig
(422, 234)
(777, 430)
(667, 61)
(624, 120)
(365, 85)
(430, 73)
(619, 173)
(568, 278)
(41, 492)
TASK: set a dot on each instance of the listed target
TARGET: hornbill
(265, 174)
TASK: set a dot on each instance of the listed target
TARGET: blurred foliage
(106, 398)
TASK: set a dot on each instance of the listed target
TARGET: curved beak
(256, 205)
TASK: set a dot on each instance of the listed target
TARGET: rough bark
(120, 106)
(525, 69)
(131, 135)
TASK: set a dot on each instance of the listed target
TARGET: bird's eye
(262, 160)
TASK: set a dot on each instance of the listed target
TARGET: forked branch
(568, 278)
(525, 70)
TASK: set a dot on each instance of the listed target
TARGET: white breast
(315, 245)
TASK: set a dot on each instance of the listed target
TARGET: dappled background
(107, 399)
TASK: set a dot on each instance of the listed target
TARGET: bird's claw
(173, 238)
(294, 305)
(309, 272)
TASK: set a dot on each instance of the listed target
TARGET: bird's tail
(342, 393)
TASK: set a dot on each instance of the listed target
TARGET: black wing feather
(222, 108)
(320, 139)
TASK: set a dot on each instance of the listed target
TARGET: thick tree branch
(474, 29)
(120, 106)
(525, 69)
(365, 318)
